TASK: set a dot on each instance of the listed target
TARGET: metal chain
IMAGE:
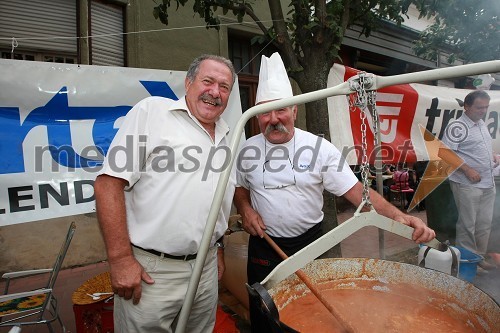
(362, 99)
(372, 98)
(365, 166)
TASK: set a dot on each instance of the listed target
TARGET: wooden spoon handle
(343, 323)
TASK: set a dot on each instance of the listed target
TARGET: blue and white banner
(56, 124)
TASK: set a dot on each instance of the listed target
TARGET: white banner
(52, 115)
(57, 121)
(401, 109)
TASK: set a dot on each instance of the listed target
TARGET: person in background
(153, 211)
(467, 146)
(281, 175)
(388, 169)
(494, 242)
(401, 178)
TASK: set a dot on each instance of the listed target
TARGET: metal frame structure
(345, 88)
(335, 236)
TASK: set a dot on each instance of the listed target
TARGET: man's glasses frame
(289, 181)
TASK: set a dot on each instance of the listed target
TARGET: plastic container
(224, 322)
(437, 260)
(94, 317)
(468, 264)
(235, 257)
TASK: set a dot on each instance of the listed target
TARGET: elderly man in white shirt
(153, 198)
(281, 175)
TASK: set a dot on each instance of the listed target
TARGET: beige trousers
(161, 302)
(475, 214)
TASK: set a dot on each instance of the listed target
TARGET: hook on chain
(360, 84)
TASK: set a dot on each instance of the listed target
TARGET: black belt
(166, 255)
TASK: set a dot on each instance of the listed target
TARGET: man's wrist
(220, 243)
(465, 168)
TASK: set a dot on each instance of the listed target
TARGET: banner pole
(439, 74)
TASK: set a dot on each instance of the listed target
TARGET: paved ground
(489, 283)
(364, 243)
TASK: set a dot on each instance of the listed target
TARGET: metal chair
(37, 306)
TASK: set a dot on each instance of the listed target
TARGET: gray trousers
(475, 215)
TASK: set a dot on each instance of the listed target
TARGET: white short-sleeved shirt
(172, 167)
(474, 146)
(290, 201)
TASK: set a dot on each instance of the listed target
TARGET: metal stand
(365, 101)
(341, 89)
(335, 236)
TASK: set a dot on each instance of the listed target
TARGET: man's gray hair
(195, 66)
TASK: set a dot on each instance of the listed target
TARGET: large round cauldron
(422, 291)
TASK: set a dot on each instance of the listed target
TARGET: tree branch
(283, 39)
(248, 11)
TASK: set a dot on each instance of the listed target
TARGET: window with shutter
(41, 28)
(106, 26)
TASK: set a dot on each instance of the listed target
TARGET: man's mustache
(278, 127)
(207, 98)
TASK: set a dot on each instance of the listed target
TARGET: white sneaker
(481, 271)
(486, 265)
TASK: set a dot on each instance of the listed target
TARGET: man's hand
(251, 220)
(472, 175)
(252, 223)
(126, 276)
(221, 264)
(422, 233)
(496, 160)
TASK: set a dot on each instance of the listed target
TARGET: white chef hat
(273, 80)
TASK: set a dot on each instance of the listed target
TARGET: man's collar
(469, 122)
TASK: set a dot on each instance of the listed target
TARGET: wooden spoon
(342, 322)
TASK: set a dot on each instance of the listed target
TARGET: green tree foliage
(308, 35)
(465, 29)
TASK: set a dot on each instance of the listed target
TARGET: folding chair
(37, 306)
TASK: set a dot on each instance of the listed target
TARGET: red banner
(402, 110)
